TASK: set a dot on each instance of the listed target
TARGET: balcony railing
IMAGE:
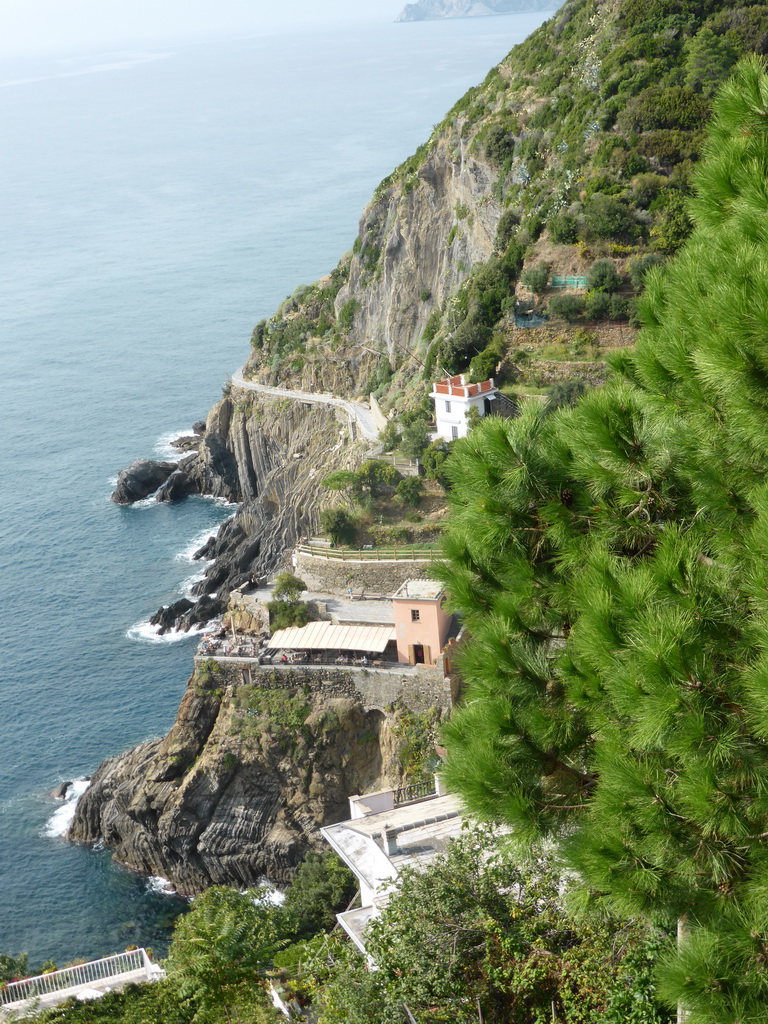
(415, 791)
(121, 967)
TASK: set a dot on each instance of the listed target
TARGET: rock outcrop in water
(240, 785)
(142, 478)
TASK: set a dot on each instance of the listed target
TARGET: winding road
(360, 414)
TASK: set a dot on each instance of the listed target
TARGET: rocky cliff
(255, 763)
(267, 454)
(429, 10)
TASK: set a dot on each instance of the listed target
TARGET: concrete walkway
(342, 609)
(360, 414)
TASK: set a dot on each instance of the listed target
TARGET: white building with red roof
(454, 397)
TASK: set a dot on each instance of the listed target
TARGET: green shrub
(603, 276)
(433, 460)
(410, 491)
(283, 614)
(415, 439)
(288, 587)
(640, 266)
(322, 887)
(506, 229)
(664, 107)
(619, 308)
(597, 305)
(536, 278)
(563, 228)
(564, 393)
(608, 217)
(390, 436)
(567, 306)
(347, 315)
(671, 225)
(708, 59)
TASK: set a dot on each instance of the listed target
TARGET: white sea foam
(187, 554)
(273, 895)
(220, 502)
(160, 885)
(145, 632)
(149, 502)
(164, 447)
(185, 587)
(61, 819)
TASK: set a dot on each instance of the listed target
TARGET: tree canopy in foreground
(611, 563)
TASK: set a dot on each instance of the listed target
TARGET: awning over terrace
(325, 636)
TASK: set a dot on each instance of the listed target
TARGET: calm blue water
(155, 205)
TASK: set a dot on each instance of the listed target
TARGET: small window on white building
(454, 432)
(415, 614)
(447, 406)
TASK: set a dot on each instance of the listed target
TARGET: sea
(155, 203)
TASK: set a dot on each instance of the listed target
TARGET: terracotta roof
(457, 387)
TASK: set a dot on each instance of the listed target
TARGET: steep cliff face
(417, 243)
(252, 767)
(270, 455)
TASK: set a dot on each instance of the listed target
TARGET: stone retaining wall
(551, 371)
(334, 576)
(420, 687)
(613, 335)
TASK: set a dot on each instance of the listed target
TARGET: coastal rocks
(184, 614)
(165, 617)
(241, 784)
(140, 479)
(271, 456)
(422, 248)
(179, 484)
(60, 792)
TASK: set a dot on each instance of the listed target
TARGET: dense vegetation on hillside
(610, 563)
(591, 129)
(473, 937)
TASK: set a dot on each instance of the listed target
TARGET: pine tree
(611, 564)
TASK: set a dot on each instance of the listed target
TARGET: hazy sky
(38, 26)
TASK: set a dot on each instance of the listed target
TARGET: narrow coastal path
(357, 412)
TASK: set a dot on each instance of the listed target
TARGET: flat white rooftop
(423, 830)
(419, 590)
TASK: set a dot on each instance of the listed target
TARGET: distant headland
(430, 10)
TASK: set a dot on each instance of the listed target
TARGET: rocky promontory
(256, 761)
(431, 10)
(269, 456)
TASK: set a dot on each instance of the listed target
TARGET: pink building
(421, 623)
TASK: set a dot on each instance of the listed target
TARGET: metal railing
(370, 554)
(77, 976)
(406, 467)
(415, 791)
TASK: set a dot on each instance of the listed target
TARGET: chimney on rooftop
(389, 840)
